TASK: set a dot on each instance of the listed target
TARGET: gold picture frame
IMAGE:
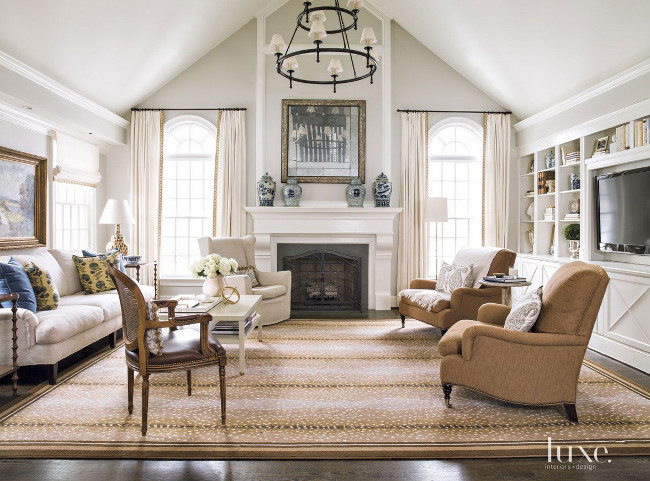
(323, 141)
(601, 145)
(23, 200)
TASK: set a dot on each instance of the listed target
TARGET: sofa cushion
(17, 282)
(93, 272)
(45, 291)
(524, 312)
(270, 292)
(45, 260)
(250, 272)
(70, 283)
(108, 301)
(427, 299)
(87, 253)
(452, 341)
(65, 322)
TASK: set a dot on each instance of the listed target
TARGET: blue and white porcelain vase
(382, 188)
(355, 193)
(266, 190)
(291, 193)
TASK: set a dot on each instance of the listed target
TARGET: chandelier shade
(313, 20)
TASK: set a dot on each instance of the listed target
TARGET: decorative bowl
(132, 259)
(499, 275)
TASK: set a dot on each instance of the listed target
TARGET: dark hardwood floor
(630, 468)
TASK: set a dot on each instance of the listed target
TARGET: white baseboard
(621, 352)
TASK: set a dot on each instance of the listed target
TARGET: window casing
(74, 216)
(455, 171)
(188, 192)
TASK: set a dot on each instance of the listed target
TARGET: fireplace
(324, 279)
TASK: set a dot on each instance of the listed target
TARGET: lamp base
(117, 242)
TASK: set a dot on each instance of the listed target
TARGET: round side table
(506, 293)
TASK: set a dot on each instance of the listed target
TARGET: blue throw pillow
(17, 281)
(93, 254)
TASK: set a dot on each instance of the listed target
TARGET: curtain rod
(134, 109)
(457, 111)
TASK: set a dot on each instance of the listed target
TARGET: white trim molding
(55, 87)
(611, 83)
(21, 118)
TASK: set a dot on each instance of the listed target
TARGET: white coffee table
(237, 312)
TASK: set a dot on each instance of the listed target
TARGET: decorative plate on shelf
(531, 210)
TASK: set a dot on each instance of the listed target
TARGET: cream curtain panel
(496, 161)
(230, 218)
(411, 260)
(146, 141)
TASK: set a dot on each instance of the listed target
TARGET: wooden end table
(13, 369)
(138, 265)
(506, 292)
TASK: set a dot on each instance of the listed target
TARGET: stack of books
(542, 177)
(549, 214)
(636, 133)
(231, 328)
(574, 216)
(572, 158)
(504, 279)
(188, 304)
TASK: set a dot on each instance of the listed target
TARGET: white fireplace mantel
(333, 223)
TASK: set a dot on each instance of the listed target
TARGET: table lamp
(435, 210)
(117, 212)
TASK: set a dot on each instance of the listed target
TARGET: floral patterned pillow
(250, 272)
(524, 312)
(452, 277)
(153, 336)
(442, 276)
(93, 272)
(47, 295)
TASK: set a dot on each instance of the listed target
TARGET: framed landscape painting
(23, 199)
(323, 141)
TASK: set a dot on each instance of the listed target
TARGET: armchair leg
(145, 403)
(446, 389)
(571, 412)
(129, 377)
(403, 318)
(222, 390)
(189, 382)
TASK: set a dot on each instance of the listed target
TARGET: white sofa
(46, 337)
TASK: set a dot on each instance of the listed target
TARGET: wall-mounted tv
(623, 211)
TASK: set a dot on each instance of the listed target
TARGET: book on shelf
(572, 217)
(542, 177)
(227, 328)
(193, 304)
(504, 279)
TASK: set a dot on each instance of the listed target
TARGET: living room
(372, 189)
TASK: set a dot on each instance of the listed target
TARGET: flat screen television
(623, 211)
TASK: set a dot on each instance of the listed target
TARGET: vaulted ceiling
(526, 54)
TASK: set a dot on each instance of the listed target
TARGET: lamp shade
(355, 4)
(317, 31)
(291, 63)
(277, 43)
(318, 15)
(117, 211)
(368, 36)
(335, 67)
(435, 209)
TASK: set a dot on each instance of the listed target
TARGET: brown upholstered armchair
(535, 368)
(463, 303)
(183, 350)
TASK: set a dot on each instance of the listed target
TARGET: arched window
(455, 172)
(188, 192)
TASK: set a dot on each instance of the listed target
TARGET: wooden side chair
(183, 350)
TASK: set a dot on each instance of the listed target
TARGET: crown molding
(62, 91)
(19, 117)
(611, 83)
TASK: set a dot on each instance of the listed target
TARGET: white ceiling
(526, 54)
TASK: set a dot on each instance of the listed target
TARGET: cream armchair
(275, 287)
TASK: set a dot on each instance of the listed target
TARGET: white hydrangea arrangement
(214, 265)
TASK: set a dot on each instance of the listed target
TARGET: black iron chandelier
(346, 18)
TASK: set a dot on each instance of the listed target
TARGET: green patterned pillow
(47, 295)
(93, 272)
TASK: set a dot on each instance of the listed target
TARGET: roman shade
(75, 161)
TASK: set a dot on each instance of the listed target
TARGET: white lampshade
(117, 211)
(291, 63)
(435, 209)
(368, 36)
(317, 16)
(355, 4)
(335, 67)
(317, 31)
(277, 43)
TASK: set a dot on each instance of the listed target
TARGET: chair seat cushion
(427, 299)
(65, 322)
(270, 292)
(182, 345)
(452, 341)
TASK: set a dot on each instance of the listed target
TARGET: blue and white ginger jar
(291, 193)
(355, 193)
(382, 188)
(266, 190)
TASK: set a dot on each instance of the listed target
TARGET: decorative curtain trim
(483, 182)
(160, 189)
(216, 176)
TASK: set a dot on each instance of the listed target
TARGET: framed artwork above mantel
(23, 199)
(323, 141)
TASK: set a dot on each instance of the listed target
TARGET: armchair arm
(162, 303)
(465, 301)
(472, 333)
(274, 278)
(241, 282)
(493, 313)
(423, 283)
(199, 318)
